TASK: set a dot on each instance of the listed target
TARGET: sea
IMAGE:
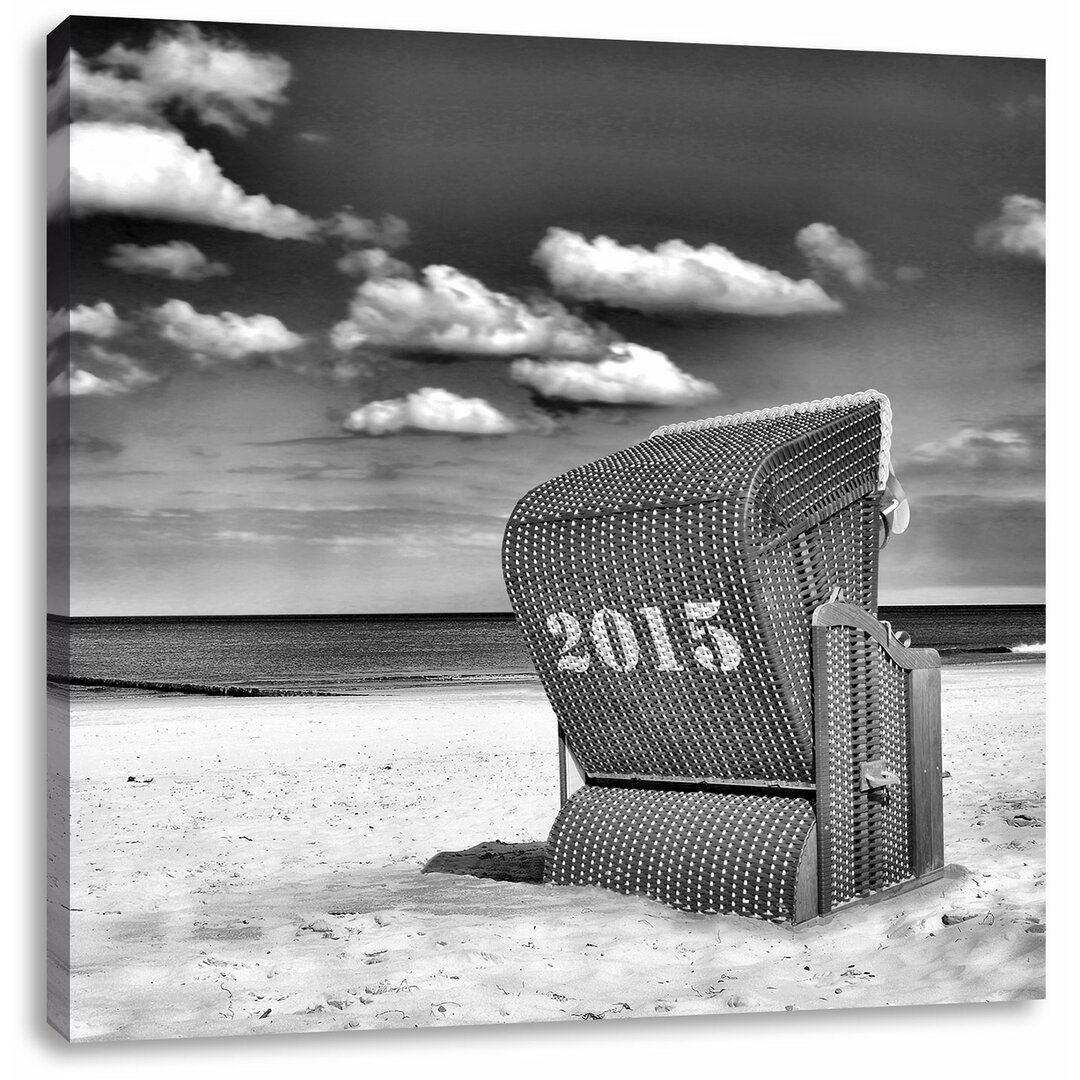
(353, 654)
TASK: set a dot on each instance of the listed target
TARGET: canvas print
(539, 529)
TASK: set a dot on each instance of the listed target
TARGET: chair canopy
(666, 591)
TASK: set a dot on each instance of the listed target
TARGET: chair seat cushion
(695, 850)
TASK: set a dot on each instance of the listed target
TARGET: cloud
(373, 263)
(389, 231)
(80, 383)
(227, 336)
(128, 157)
(387, 234)
(149, 172)
(56, 324)
(128, 371)
(99, 320)
(177, 260)
(832, 254)
(1019, 230)
(318, 138)
(429, 409)
(58, 95)
(448, 312)
(1016, 444)
(674, 278)
(123, 374)
(220, 83)
(628, 375)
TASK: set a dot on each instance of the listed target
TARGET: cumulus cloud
(123, 374)
(373, 263)
(227, 336)
(220, 83)
(1020, 229)
(830, 253)
(1012, 445)
(387, 234)
(429, 409)
(98, 320)
(390, 231)
(448, 312)
(177, 260)
(128, 157)
(149, 172)
(628, 375)
(127, 371)
(673, 278)
(79, 383)
(56, 325)
(58, 95)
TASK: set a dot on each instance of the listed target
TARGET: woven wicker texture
(665, 591)
(866, 845)
(698, 851)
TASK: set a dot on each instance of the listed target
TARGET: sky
(337, 298)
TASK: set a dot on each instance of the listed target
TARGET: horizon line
(388, 615)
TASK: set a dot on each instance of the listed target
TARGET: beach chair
(738, 733)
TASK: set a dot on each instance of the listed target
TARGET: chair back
(666, 591)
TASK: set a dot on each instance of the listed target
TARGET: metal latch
(874, 775)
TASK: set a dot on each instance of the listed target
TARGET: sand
(263, 872)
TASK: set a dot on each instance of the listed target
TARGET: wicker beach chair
(738, 733)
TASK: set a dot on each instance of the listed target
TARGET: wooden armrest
(839, 613)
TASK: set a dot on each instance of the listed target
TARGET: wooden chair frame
(736, 734)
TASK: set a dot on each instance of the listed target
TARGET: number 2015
(617, 645)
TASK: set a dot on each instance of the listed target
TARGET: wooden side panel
(924, 720)
(571, 775)
(823, 804)
(922, 674)
(806, 882)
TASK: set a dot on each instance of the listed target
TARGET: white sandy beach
(263, 873)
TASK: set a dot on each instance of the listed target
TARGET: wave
(181, 687)
(1032, 647)
(352, 686)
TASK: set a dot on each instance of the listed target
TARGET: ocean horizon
(341, 654)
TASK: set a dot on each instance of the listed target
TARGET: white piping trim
(821, 405)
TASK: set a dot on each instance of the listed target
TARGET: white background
(1025, 1039)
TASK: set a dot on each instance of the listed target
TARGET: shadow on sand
(493, 860)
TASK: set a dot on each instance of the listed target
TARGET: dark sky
(226, 462)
